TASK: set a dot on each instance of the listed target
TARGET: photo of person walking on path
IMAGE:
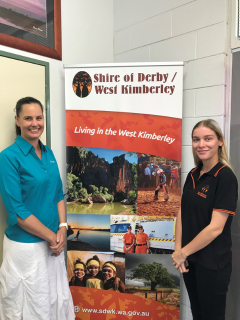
(156, 174)
(162, 185)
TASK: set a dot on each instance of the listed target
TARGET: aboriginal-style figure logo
(205, 189)
(82, 84)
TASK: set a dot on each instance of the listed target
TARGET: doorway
(20, 77)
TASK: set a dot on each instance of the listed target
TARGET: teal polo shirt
(28, 186)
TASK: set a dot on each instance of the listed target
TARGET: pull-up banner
(123, 132)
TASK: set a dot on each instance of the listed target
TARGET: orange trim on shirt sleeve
(194, 169)
(219, 170)
(231, 213)
(193, 182)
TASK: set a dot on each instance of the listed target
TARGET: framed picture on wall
(32, 25)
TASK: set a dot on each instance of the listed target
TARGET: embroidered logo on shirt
(52, 161)
(202, 194)
(205, 189)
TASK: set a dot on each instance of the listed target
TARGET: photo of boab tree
(153, 277)
(159, 185)
(101, 181)
(28, 15)
(82, 84)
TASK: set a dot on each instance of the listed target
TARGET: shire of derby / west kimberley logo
(203, 192)
(82, 84)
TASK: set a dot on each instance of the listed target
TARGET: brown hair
(20, 103)
(222, 150)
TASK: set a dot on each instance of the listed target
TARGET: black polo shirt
(215, 190)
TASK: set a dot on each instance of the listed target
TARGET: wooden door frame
(47, 87)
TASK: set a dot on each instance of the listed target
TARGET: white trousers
(33, 284)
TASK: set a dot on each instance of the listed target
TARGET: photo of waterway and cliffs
(101, 181)
(88, 232)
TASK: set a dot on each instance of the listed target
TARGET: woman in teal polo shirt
(33, 280)
(203, 229)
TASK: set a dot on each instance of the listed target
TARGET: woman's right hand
(55, 246)
(183, 267)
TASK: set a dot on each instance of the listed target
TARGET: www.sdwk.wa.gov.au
(112, 311)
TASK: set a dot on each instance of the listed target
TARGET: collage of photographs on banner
(121, 208)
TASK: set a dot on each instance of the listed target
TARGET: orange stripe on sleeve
(231, 213)
(194, 169)
(219, 170)
(193, 182)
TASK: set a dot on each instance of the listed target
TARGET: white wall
(193, 31)
(93, 44)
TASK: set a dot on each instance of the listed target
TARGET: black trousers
(147, 181)
(207, 290)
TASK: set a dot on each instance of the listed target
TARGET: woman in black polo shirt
(203, 235)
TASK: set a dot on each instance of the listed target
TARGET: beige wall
(15, 86)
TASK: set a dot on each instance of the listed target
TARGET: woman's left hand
(178, 257)
(61, 241)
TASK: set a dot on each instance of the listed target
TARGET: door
(19, 77)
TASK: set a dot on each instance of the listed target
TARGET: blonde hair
(222, 150)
